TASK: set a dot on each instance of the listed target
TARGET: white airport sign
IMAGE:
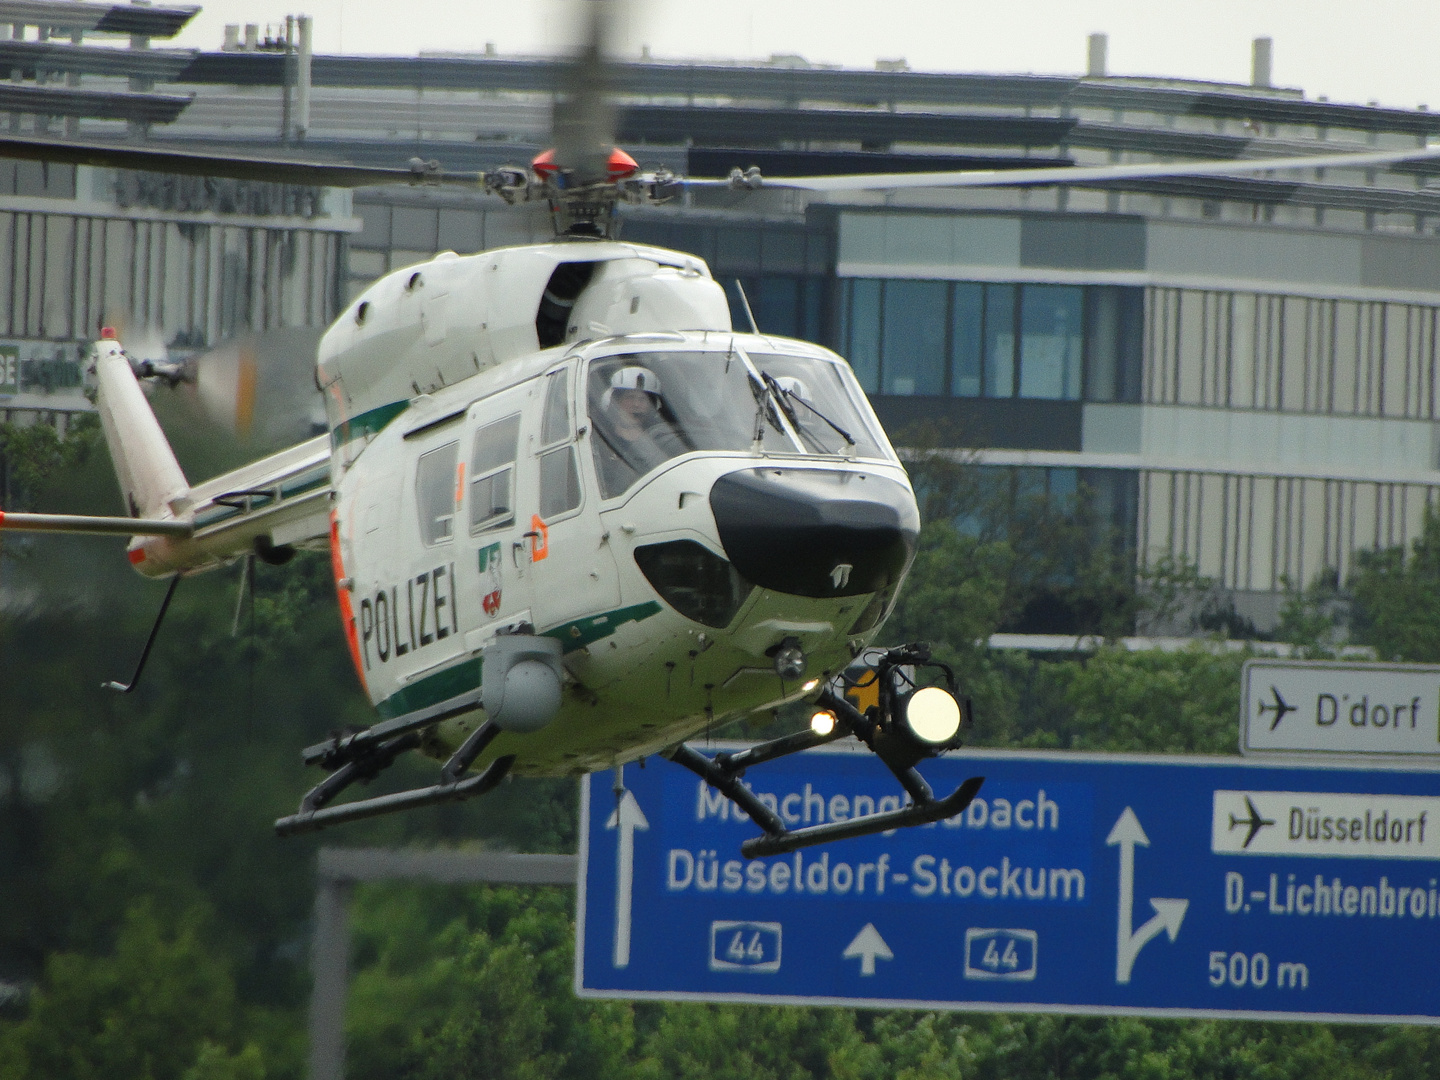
(1340, 707)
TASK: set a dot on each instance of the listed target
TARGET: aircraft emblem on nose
(841, 574)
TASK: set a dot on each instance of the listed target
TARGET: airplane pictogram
(1280, 708)
(1255, 821)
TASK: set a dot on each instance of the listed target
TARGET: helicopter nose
(816, 532)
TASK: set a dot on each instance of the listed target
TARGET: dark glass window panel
(999, 341)
(812, 294)
(1063, 484)
(1050, 341)
(862, 339)
(435, 493)
(914, 338)
(776, 301)
(966, 324)
(1116, 501)
(1130, 347)
(1114, 329)
(1101, 342)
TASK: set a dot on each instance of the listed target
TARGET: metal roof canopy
(161, 22)
(731, 126)
(30, 56)
(840, 86)
(96, 104)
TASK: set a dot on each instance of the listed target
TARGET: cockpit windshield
(819, 405)
(648, 407)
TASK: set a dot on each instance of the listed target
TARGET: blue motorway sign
(1074, 883)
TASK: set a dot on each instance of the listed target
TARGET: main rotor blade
(1081, 175)
(583, 119)
(277, 170)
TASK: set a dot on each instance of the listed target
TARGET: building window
(1114, 332)
(966, 314)
(1001, 340)
(914, 338)
(1050, 342)
(785, 304)
(998, 334)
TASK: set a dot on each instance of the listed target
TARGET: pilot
(635, 435)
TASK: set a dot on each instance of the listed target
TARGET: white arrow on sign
(1168, 913)
(627, 817)
(868, 944)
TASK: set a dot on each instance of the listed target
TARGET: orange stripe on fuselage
(347, 612)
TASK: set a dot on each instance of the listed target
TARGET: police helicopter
(574, 515)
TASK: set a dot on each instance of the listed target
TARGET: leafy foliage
(162, 930)
(32, 453)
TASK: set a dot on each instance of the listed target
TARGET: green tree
(31, 454)
(1397, 597)
(150, 1009)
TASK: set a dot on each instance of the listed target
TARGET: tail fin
(150, 478)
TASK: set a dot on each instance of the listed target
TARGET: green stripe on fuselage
(367, 423)
(465, 675)
(433, 689)
(582, 632)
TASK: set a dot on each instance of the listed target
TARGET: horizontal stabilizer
(84, 523)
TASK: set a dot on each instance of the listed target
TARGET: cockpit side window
(492, 474)
(559, 477)
(555, 420)
(435, 485)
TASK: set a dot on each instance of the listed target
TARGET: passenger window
(559, 482)
(435, 493)
(555, 422)
(492, 474)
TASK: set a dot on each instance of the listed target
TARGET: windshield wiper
(781, 393)
(769, 403)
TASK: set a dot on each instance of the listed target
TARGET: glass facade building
(1242, 369)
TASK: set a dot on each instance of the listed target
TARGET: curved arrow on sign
(1168, 913)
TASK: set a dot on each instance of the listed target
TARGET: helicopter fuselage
(747, 502)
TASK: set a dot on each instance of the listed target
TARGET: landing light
(789, 659)
(823, 722)
(811, 685)
(932, 715)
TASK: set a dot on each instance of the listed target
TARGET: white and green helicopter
(575, 517)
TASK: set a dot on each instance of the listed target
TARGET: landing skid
(364, 755)
(879, 728)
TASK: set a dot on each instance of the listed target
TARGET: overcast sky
(1377, 50)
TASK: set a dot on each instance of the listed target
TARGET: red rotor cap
(620, 164)
(617, 166)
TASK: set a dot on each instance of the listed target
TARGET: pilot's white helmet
(634, 377)
(793, 386)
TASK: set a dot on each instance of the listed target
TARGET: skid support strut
(364, 755)
(878, 728)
